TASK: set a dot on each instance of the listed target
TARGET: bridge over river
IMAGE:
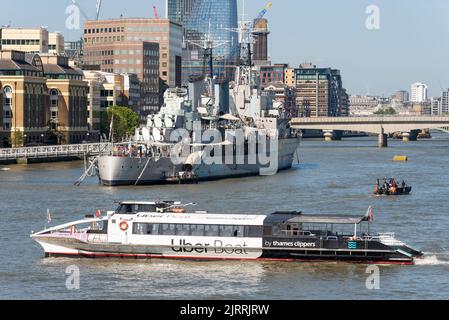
(380, 125)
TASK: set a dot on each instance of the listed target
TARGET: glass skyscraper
(220, 16)
(179, 10)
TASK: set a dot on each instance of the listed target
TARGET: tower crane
(265, 10)
(156, 13)
(98, 8)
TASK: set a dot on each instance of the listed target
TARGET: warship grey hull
(122, 171)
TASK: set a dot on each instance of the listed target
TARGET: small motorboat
(391, 188)
(5, 169)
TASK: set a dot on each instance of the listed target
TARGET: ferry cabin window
(239, 231)
(183, 230)
(224, 231)
(168, 230)
(197, 230)
(253, 232)
(211, 231)
(145, 229)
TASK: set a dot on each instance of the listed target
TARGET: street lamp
(88, 137)
(42, 138)
(25, 136)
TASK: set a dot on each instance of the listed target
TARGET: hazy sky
(411, 45)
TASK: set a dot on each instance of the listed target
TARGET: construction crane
(97, 9)
(265, 10)
(156, 13)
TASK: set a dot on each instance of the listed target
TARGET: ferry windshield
(129, 208)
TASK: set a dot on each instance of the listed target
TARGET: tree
(125, 122)
(386, 111)
(17, 139)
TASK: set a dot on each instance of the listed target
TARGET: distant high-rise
(401, 96)
(320, 92)
(179, 10)
(219, 18)
(419, 92)
(445, 103)
(260, 50)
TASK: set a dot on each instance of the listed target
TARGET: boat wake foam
(432, 260)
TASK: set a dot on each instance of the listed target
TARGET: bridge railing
(55, 151)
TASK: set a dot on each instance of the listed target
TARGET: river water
(332, 178)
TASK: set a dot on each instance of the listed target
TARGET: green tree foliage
(17, 139)
(386, 111)
(124, 125)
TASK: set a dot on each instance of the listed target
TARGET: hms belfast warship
(228, 108)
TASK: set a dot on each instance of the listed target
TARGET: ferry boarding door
(119, 230)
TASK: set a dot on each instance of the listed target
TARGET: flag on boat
(369, 214)
(98, 214)
(48, 216)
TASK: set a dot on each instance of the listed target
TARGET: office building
(56, 43)
(68, 99)
(320, 92)
(107, 90)
(445, 103)
(419, 92)
(401, 96)
(24, 98)
(102, 36)
(290, 79)
(43, 99)
(32, 40)
(364, 105)
(436, 106)
(272, 74)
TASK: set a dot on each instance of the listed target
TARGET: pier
(40, 154)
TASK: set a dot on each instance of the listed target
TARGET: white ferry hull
(54, 247)
(116, 171)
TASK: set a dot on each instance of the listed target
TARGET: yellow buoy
(400, 158)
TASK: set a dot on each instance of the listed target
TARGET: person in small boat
(386, 186)
(403, 184)
(377, 187)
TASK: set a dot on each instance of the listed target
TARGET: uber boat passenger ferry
(167, 230)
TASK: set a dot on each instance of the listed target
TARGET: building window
(7, 107)
(54, 97)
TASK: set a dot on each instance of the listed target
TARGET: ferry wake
(157, 230)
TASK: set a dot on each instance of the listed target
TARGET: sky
(411, 43)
